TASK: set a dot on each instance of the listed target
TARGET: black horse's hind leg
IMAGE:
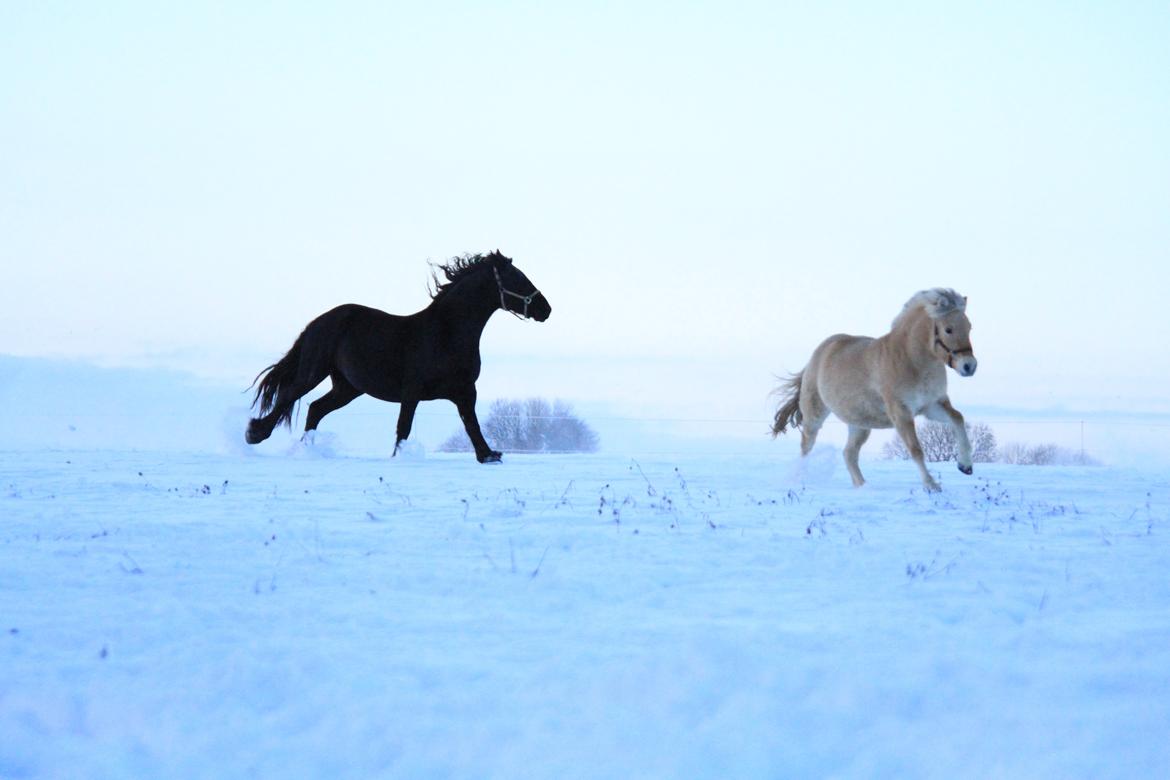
(465, 403)
(405, 420)
(260, 428)
(338, 396)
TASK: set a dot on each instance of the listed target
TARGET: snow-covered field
(301, 615)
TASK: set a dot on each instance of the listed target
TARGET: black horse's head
(517, 294)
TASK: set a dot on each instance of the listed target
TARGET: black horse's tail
(280, 386)
(789, 411)
(281, 375)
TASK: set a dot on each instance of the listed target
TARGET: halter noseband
(505, 291)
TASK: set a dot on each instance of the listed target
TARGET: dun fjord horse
(884, 382)
(421, 357)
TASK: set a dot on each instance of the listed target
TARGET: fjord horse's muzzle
(961, 360)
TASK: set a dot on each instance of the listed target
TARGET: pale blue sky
(721, 183)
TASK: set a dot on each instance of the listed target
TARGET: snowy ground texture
(300, 615)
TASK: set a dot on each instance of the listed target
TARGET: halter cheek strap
(951, 353)
(505, 291)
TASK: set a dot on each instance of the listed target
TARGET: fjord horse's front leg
(465, 403)
(942, 411)
(904, 423)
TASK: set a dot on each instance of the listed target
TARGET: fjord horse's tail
(788, 414)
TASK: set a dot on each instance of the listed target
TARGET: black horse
(421, 357)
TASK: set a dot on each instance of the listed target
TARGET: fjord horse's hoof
(966, 469)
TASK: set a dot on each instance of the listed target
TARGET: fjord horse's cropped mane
(937, 302)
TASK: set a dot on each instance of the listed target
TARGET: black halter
(505, 291)
(951, 353)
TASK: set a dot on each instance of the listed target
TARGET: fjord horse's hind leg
(942, 411)
(338, 396)
(857, 437)
(813, 415)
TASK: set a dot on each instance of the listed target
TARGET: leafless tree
(530, 425)
(938, 443)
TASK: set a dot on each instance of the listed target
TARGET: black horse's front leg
(465, 403)
(405, 421)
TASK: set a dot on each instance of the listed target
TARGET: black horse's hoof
(492, 457)
(966, 469)
(252, 436)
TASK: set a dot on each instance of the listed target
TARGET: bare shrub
(939, 444)
(530, 425)
(1044, 455)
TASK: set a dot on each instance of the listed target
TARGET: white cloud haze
(716, 184)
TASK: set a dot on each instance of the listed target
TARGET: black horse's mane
(457, 268)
